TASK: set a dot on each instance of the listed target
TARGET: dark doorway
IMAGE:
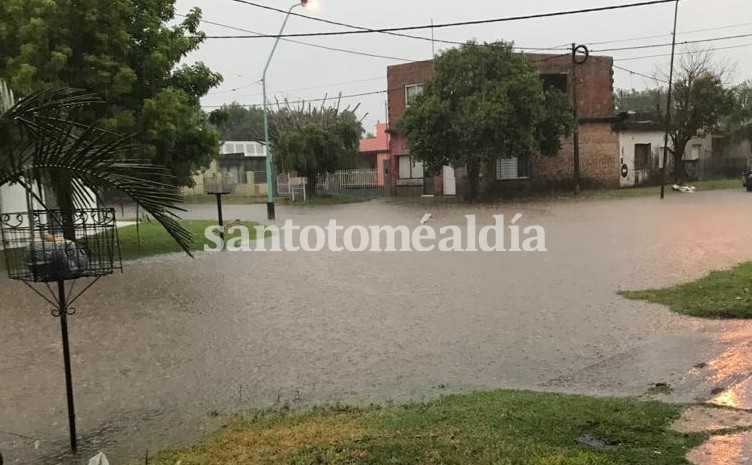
(642, 156)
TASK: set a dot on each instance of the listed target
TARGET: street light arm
(267, 142)
(279, 36)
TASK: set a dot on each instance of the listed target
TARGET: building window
(557, 81)
(511, 168)
(409, 169)
(694, 152)
(411, 92)
(642, 156)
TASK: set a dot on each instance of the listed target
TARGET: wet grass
(226, 199)
(717, 295)
(150, 238)
(319, 199)
(322, 200)
(599, 194)
(506, 427)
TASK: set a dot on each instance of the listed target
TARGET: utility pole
(575, 83)
(433, 43)
(668, 104)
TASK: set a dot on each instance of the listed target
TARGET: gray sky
(300, 71)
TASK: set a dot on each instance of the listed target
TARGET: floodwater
(164, 350)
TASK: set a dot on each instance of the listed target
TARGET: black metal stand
(59, 246)
(63, 313)
(221, 221)
(270, 213)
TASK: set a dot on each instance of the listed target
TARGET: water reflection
(722, 450)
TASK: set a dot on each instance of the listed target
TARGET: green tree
(129, 56)
(43, 144)
(238, 122)
(647, 100)
(315, 141)
(700, 104)
(484, 102)
(740, 121)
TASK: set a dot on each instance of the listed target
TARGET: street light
(269, 184)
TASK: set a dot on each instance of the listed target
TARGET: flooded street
(163, 351)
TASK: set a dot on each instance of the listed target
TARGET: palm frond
(46, 110)
(52, 150)
(7, 99)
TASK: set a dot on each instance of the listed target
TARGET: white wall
(13, 199)
(627, 142)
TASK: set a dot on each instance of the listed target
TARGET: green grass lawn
(154, 240)
(226, 200)
(720, 294)
(655, 191)
(321, 200)
(506, 427)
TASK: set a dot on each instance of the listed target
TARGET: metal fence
(353, 182)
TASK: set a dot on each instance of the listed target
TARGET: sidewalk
(724, 386)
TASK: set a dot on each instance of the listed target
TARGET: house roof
(640, 121)
(379, 143)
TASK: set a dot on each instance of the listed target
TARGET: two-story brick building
(598, 142)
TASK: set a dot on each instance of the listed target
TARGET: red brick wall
(398, 77)
(599, 145)
(595, 93)
(599, 159)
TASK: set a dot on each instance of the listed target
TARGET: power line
(640, 74)
(539, 60)
(455, 24)
(362, 94)
(645, 57)
(319, 87)
(377, 92)
(333, 49)
(686, 42)
(337, 23)
(365, 29)
(656, 36)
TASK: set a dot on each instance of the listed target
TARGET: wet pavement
(163, 351)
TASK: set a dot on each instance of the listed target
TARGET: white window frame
(504, 166)
(416, 168)
(418, 91)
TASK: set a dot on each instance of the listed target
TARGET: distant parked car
(747, 179)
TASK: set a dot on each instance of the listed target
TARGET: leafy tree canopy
(238, 122)
(127, 54)
(740, 121)
(42, 143)
(700, 104)
(647, 100)
(484, 102)
(315, 141)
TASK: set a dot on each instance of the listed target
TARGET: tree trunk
(473, 181)
(679, 174)
(311, 184)
(66, 206)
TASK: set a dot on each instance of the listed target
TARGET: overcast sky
(301, 71)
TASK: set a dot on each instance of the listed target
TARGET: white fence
(337, 182)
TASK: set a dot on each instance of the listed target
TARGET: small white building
(242, 163)
(13, 199)
(641, 147)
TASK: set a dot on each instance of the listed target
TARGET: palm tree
(42, 145)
